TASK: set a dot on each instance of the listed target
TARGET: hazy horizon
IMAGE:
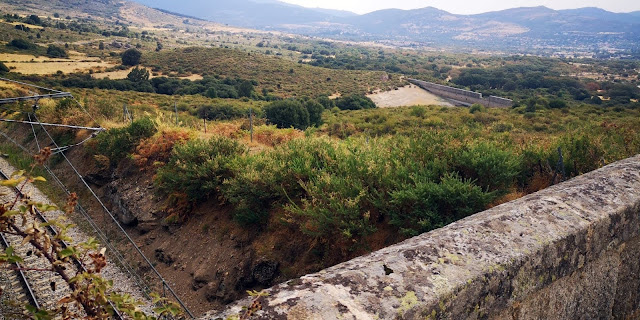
(464, 7)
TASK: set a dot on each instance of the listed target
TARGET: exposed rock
(120, 206)
(202, 277)
(99, 179)
(164, 257)
(220, 289)
(264, 272)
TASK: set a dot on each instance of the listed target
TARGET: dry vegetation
(283, 77)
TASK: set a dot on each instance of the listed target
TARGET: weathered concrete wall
(464, 97)
(571, 251)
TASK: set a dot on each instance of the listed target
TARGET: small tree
(315, 112)
(245, 88)
(287, 114)
(326, 102)
(33, 19)
(138, 75)
(3, 68)
(101, 45)
(56, 52)
(131, 57)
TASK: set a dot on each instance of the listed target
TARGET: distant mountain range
(513, 28)
(247, 13)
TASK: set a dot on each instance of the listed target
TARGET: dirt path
(407, 96)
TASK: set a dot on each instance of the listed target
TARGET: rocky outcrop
(568, 252)
(132, 199)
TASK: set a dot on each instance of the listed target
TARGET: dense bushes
(489, 166)
(138, 75)
(287, 114)
(138, 80)
(131, 57)
(56, 52)
(220, 112)
(293, 113)
(119, 142)
(22, 44)
(427, 205)
(354, 102)
(198, 167)
(344, 190)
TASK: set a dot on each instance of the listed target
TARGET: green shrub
(119, 142)
(220, 112)
(138, 75)
(315, 110)
(22, 44)
(198, 167)
(56, 52)
(426, 205)
(557, 104)
(476, 107)
(354, 102)
(418, 111)
(581, 154)
(489, 166)
(287, 114)
(326, 102)
(334, 207)
(131, 57)
(253, 187)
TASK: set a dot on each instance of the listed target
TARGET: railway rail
(30, 283)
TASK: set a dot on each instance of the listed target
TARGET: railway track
(28, 283)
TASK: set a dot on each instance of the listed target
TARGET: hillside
(233, 167)
(508, 30)
(284, 77)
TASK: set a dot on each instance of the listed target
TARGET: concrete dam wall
(571, 251)
(464, 97)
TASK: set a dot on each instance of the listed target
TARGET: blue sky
(466, 6)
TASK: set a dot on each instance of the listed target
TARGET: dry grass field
(122, 74)
(41, 65)
(42, 68)
(73, 56)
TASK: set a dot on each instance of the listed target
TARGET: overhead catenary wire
(60, 94)
(65, 148)
(85, 110)
(54, 125)
(92, 223)
(36, 97)
(33, 129)
(115, 221)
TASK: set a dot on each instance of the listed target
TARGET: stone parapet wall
(464, 97)
(571, 251)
